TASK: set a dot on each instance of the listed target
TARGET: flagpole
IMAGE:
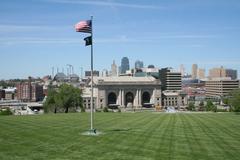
(92, 74)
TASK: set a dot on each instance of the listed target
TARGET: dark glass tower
(138, 64)
(124, 65)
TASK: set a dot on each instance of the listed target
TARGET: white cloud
(35, 40)
(6, 28)
(115, 39)
(107, 3)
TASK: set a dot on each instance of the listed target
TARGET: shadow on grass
(120, 130)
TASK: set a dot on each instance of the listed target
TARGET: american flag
(84, 26)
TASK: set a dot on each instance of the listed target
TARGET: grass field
(128, 136)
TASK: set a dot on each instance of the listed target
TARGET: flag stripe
(84, 26)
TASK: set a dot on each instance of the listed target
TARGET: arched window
(112, 98)
(129, 98)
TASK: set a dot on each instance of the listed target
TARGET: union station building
(124, 92)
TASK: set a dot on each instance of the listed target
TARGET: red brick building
(2, 94)
(29, 91)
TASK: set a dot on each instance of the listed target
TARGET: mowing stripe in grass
(146, 140)
(163, 151)
(222, 125)
(119, 141)
(135, 136)
(214, 137)
(197, 148)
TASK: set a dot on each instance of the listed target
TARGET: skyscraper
(182, 69)
(104, 73)
(231, 73)
(114, 69)
(217, 73)
(138, 64)
(124, 65)
(194, 71)
(201, 73)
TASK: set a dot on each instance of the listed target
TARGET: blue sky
(36, 35)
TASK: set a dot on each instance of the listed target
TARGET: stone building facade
(127, 91)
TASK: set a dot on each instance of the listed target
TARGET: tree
(78, 99)
(51, 102)
(191, 106)
(63, 99)
(234, 100)
(214, 108)
(201, 106)
(208, 105)
(69, 97)
(225, 100)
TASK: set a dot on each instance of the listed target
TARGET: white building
(125, 92)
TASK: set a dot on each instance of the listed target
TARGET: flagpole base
(92, 132)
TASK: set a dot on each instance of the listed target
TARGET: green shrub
(222, 110)
(105, 109)
(119, 110)
(98, 110)
(83, 109)
(6, 112)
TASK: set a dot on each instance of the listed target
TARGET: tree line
(233, 101)
(65, 99)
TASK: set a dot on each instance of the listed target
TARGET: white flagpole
(92, 74)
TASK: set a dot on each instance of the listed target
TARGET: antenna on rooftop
(52, 72)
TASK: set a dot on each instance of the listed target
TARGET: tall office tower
(124, 65)
(194, 71)
(114, 69)
(182, 69)
(217, 73)
(231, 73)
(170, 79)
(104, 73)
(201, 73)
(138, 64)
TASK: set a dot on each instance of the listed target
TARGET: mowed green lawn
(128, 136)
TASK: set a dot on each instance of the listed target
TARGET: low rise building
(10, 93)
(220, 87)
(175, 99)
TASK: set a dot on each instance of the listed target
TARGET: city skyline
(166, 34)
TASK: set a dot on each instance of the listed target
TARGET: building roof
(125, 80)
(10, 89)
(60, 76)
(170, 93)
(74, 75)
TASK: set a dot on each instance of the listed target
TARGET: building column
(122, 97)
(136, 99)
(154, 100)
(140, 97)
(105, 99)
(119, 97)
